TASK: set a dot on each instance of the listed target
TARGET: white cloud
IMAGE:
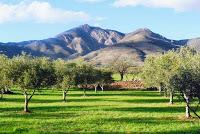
(178, 5)
(90, 1)
(40, 12)
(99, 18)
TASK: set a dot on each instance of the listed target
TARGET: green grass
(104, 112)
(127, 77)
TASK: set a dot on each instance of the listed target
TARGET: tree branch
(32, 94)
(189, 106)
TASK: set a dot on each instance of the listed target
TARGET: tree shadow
(69, 99)
(33, 100)
(47, 108)
(40, 115)
(127, 93)
(172, 109)
(152, 121)
(165, 100)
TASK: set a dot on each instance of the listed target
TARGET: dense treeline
(29, 74)
(176, 73)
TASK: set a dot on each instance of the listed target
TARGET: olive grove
(176, 72)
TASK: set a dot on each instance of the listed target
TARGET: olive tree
(85, 76)
(5, 77)
(65, 76)
(106, 78)
(187, 80)
(121, 65)
(158, 71)
(102, 78)
(167, 66)
(150, 74)
(31, 74)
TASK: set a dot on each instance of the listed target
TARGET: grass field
(104, 112)
(127, 77)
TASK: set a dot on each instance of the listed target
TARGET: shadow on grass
(164, 100)
(35, 100)
(48, 109)
(173, 109)
(144, 120)
(126, 93)
(89, 99)
(88, 108)
(153, 121)
(41, 115)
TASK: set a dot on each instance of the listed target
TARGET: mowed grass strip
(102, 112)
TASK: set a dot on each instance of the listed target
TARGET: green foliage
(159, 70)
(120, 65)
(175, 71)
(150, 73)
(65, 74)
(85, 75)
(4, 71)
(5, 81)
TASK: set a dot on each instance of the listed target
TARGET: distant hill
(98, 46)
(136, 45)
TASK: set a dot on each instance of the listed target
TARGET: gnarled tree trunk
(27, 99)
(64, 95)
(187, 109)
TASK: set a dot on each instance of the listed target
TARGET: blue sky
(39, 19)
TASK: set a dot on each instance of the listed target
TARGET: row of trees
(30, 74)
(176, 73)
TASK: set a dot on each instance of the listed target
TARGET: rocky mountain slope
(69, 44)
(135, 46)
(98, 46)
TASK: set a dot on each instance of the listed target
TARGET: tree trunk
(84, 92)
(122, 76)
(159, 89)
(102, 88)
(187, 109)
(96, 88)
(26, 102)
(1, 94)
(64, 95)
(171, 101)
(166, 94)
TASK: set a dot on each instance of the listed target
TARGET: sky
(22, 20)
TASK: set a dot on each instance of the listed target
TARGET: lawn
(127, 77)
(104, 112)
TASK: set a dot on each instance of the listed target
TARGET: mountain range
(98, 46)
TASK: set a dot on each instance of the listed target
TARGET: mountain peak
(142, 34)
(143, 30)
(85, 27)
